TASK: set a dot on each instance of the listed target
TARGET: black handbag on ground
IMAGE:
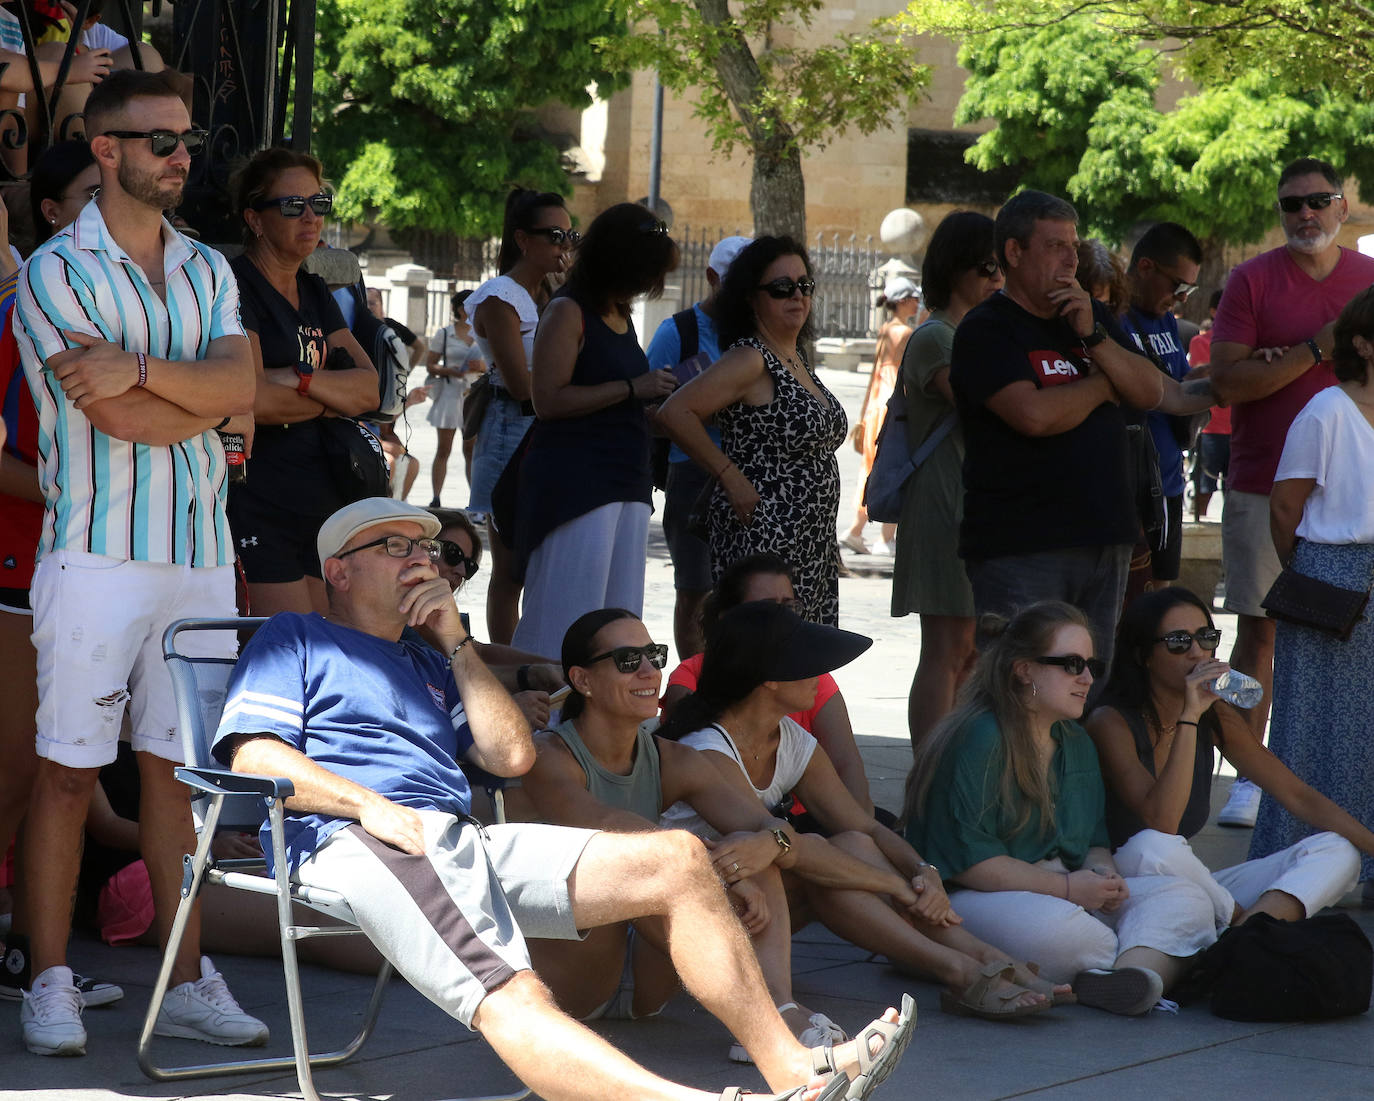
(1269, 970)
(1308, 602)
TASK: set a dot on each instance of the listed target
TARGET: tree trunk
(777, 192)
(1210, 278)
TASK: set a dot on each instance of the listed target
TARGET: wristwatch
(1096, 337)
(780, 836)
(305, 373)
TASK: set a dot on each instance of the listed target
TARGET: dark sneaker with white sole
(14, 978)
(1129, 991)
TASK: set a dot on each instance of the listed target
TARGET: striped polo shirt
(105, 496)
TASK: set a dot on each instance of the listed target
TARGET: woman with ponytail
(1006, 795)
(536, 242)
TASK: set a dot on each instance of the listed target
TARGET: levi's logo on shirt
(1052, 367)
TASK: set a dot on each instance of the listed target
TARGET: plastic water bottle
(1238, 689)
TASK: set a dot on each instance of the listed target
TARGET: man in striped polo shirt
(132, 345)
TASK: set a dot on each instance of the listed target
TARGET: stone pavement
(418, 1053)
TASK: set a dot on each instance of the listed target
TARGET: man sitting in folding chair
(369, 729)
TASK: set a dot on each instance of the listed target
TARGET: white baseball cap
(900, 287)
(723, 255)
(370, 511)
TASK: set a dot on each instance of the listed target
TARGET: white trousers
(595, 561)
(1167, 913)
(1317, 871)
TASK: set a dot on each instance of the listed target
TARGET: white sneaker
(1242, 808)
(50, 1018)
(205, 1010)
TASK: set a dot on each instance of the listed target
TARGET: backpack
(893, 464)
(1270, 970)
(689, 341)
(388, 354)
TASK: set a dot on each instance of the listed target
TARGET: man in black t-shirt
(1038, 372)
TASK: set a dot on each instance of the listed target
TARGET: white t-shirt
(513, 294)
(1331, 441)
(794, 754)
(100, 37)
(452, 347)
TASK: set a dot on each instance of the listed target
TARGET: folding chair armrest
(213, 781)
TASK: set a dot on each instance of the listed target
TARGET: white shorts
(97, 627)
(454, 921)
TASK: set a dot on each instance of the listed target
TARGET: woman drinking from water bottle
(1159, 721)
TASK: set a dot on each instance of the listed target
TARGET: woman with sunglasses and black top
(581, 497)
(536, 246)
(928, 576)
(1005, 795)
(777, 481)
(1155, 732)
(293, 325)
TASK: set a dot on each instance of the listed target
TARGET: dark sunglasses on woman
(453, 557)
(164, 142)
(558, 236)
(293, 206)
(1180, 642)
(987, 269)
(1074, 664)
(783, 287)
(628, 658)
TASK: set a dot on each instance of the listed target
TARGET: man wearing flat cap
(370, 728)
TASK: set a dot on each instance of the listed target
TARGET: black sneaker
(15, 978)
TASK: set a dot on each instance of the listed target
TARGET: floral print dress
(787, 450)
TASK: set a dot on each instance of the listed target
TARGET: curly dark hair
(735, 300)
(625, 252)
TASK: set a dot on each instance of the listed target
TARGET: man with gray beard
(1271, 348)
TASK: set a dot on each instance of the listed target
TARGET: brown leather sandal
(983, 998)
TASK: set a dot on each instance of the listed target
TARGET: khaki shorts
(1247, 552)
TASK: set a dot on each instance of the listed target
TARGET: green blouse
(965, 822)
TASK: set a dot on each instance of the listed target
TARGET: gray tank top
(639, 792)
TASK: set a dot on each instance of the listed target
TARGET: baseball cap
(723, 255)
(900, 287)
(351, 519)
(789, 647)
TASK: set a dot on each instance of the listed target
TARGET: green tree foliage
(757, 90)
(1075, 104)
(424, 111)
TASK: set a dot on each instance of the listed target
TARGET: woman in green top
(1006, 797)
(927, 576)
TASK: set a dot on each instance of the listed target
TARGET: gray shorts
(453, 922)
(1247, 552)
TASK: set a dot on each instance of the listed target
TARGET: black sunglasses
(1074, 664)
(1318, 200)
(452, 556)
(783, 287)
(558, 235)
(656, 228)
(164, 142)
(399, 546)
(1180, 642)
(628, 658)
(293, 206)
(987, 269)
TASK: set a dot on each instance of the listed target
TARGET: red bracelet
(142, 369)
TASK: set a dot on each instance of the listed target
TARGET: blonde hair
(993, 687)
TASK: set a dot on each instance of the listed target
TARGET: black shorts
(1164, 564)
(275, 545)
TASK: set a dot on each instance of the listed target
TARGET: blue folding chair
(223, 799)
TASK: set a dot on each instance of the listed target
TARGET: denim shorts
(503, 427)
